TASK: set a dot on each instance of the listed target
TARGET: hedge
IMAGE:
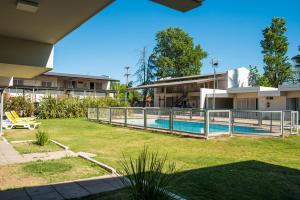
(51, 107)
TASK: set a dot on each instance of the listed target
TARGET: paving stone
(98, 188)
(49, 196)
(43, 193)
(18, 194)
(115, 182)
(70, 190)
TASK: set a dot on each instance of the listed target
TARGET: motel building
(62, 85)
(232, 91)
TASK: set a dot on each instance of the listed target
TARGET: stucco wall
(238, 77)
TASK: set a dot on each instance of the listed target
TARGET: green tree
(256, 79)
(132, 95)
(253, 76)
(145, 74)
(275, 45)
(176, 55)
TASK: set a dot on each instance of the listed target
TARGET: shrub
(20, 104)
(72, 107)
(146, 177)
(42, 138)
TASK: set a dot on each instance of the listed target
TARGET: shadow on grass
(242, 180)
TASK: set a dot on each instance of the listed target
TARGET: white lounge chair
(21, 124)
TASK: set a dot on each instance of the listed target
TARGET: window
(18, 82)
(248, 104)
(92, 85)
(73, 84)
(46, 83)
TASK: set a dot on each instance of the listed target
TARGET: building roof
(188, 77)
(172, 83)
(103, 77)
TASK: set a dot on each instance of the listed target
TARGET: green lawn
(45, 172)
(223, 168)
(32, 147)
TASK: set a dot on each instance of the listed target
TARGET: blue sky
(229, 30)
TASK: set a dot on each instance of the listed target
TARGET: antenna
(127, 76)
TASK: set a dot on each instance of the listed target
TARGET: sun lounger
(18, 118)
(21, 124)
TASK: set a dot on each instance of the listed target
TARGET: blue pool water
(198, 127)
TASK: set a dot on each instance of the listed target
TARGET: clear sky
(229, 30)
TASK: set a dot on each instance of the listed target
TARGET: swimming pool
(196, 127)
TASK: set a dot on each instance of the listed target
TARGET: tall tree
(176, 55)
(253, 76)
(145, 74)
(296, 59)
(275, 45)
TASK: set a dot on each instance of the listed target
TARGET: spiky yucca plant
(149, 176)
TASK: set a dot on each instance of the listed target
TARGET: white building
(232, 92)
(62, 84)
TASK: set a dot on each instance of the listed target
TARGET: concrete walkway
(63, 191)
(8, 155)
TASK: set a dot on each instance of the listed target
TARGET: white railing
(203, 123)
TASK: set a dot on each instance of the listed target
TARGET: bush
(72, 107)
(146, 177)
(23, 106)
(42, 138)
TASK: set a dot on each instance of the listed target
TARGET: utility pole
(214, 64)
(127, 76)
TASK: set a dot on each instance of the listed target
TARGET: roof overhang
(181, 5)
(51, 22)
(155, 85)
(291, 87)
(261, 91)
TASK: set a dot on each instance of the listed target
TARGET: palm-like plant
(149, 176)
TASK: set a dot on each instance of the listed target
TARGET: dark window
(46, 83)
(73, 84)
(18, 82)
(92, 85)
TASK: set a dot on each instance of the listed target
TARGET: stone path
(8, 155)
(61, 191)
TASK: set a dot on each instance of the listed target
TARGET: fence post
(291, 123)
(271, 123)
(297, 122)
(259, 119)
(145, 118)
(97, 109)
(282, 123)
(125, 116)
(110, 117)
(230, 123)
(206, 129)
(191, 114)
(171, 120)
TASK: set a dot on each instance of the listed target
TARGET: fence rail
(202, 123)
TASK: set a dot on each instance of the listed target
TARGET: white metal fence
(202, 123)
